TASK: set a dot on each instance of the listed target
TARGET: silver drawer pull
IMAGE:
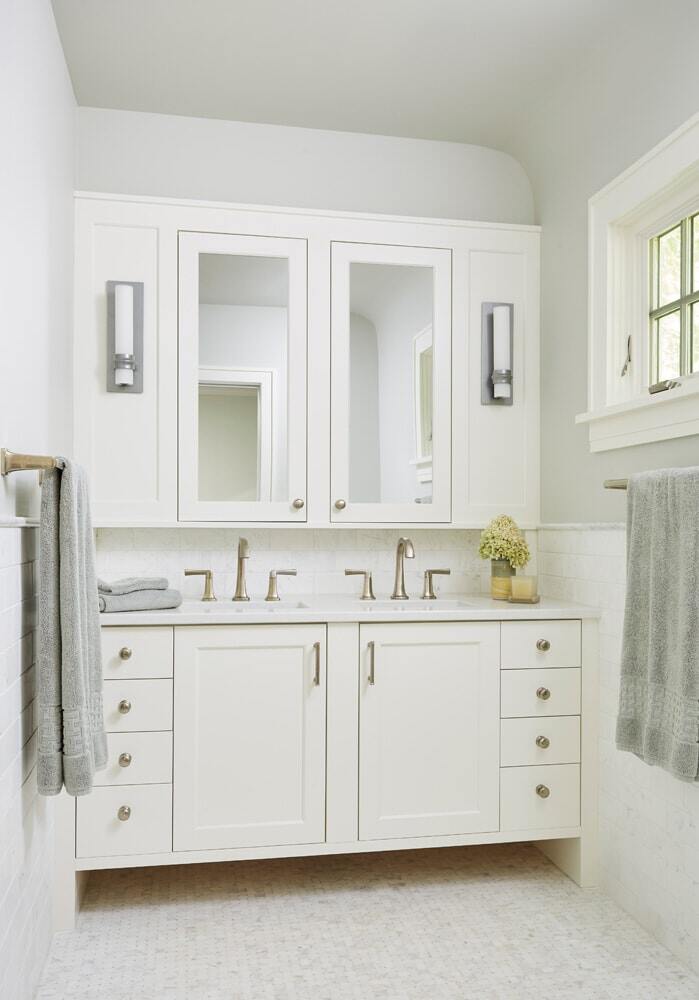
(316, 671)
(543, 791)
(124, 706)
(340, 504)
(298, 503)
(372, 664)
(543, 693)
(543, 645)
(543, 742)
(125, 759)
(124, 813)
(125, 653)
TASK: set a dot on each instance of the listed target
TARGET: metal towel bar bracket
(11, 461)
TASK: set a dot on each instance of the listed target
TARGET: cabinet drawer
(136, 652)
(540, 644)
(558, 741)
(148, 829)
(535, 693)
(523, 808)
(137, 759)
(145, 706)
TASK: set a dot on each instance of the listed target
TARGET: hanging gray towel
(72, 740)
(659, 694)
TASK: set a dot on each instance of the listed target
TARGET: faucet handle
(428, 593)
(368, 588)
(272, 592)
(208, 582)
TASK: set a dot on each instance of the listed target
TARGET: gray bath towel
(132, 584)
(72, 743)
(141, 600)
(659, 695)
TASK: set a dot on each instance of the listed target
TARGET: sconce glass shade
(502, 360)
(123, 335)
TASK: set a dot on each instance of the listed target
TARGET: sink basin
(413, 605)
(241, 607)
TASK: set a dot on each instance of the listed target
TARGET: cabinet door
(391, 384)
(429, 729)
(242, 378)
(249, 736)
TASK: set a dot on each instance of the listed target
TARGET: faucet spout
(241, 591)
(404, 550)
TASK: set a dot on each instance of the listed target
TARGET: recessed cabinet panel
(429, 729)
(242, 378)
(391, 361)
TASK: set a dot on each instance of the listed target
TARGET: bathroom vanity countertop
(340, 608)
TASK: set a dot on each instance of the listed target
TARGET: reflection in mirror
(391, 383)
(243, 368)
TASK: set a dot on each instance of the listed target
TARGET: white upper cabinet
(391, 384)
(242, 402)
(305, 367)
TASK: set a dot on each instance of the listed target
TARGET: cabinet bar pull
(372, 658)
(316, 672)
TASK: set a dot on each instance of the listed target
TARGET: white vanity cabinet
(249, 761)
(304, 368)
(428, 729)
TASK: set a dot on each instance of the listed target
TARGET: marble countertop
(339, 608)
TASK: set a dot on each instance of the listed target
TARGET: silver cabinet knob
(125, 653)
(125, 759)
(543, 645)
(124, 706)
(543, 693)
(543, 791)
(124, 813)
(298, 503)
(543, 742)
(340, 504)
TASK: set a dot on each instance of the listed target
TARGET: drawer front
(136, 652)
(523, 808)
(535, 693)
(148, 830)
(554, 740)
(540, 644)
(137, 759)
(137, 706)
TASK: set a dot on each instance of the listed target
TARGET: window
(674, 301)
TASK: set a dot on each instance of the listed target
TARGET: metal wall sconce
(124, 336)
(497, 327)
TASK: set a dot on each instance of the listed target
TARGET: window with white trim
(674, 301)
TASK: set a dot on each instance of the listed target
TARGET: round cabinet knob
(124, 706)
(298, 504)
(124, 813)
(543, 693)
(125, 653)
(543, 742)
(543, 791)
(340, 504)
(125, 759)
(543, 645)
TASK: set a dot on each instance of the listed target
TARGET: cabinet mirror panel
(242, 353)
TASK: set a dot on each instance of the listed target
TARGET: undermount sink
(416, 604)
(240, 607)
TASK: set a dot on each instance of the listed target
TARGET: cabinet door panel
(391, 384)
(249, 736)
(429, 729)
(242, 377)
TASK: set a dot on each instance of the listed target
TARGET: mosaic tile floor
(484, 923)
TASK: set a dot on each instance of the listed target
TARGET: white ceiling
(437, 69)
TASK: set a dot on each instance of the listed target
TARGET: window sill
(645, 419)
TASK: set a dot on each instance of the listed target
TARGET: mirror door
(242, 352)
(391, 384)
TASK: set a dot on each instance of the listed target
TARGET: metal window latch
(627, 362)
(668, 383)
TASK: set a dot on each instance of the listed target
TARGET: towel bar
(616, 484)
(11, 461)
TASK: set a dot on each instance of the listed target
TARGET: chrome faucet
(241, 592)
(404, 551)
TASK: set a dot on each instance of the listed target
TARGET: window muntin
(674, 301)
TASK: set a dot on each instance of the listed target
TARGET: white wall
(168, 156)
(638, 86)
(36, 179)
(649, 821)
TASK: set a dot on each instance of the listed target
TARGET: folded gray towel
(141, 600)
(659, 694)
(132, 584)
